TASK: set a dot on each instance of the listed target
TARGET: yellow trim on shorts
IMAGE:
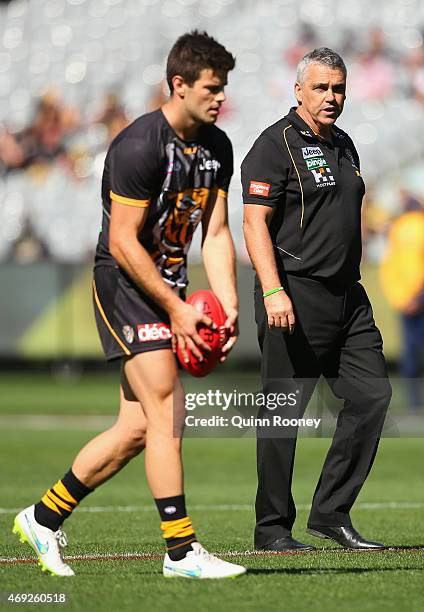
(108, 325)
(128, 201)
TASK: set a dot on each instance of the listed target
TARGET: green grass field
(220, 477)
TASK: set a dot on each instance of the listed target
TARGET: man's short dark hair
(194, 52)
(323, 55)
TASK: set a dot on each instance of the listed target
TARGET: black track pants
(335, 336)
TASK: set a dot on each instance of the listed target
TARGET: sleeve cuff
(128, 201)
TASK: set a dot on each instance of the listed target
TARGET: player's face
(322, 96)
(203, 99)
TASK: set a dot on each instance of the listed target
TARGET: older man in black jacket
(302, 190)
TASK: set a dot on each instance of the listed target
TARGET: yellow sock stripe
(108, 325)
(59, 502)
(50, 504)
(61, 490)
(182, 544)
(177, 529)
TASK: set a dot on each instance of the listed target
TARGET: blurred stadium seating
(72, 53)
(73, 73)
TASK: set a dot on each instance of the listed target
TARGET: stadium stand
(74, 72)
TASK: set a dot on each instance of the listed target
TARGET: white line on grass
(229, 507)
(129, 556)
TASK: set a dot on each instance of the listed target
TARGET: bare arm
(261, 251)
(125, 224)
(220, 263)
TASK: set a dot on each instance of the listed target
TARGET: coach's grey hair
(323, 55)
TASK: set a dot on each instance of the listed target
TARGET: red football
(205, 301)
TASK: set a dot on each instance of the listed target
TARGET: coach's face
(203, 99)
(321, 96)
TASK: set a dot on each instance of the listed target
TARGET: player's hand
(231, 325)
(184, 323)
(280, 313)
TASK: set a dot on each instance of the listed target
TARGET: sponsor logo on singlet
(209, 164)
(150, 332)
(128, 332)
(323, 177)
(311, 152)
(260, 189)
(318, 166)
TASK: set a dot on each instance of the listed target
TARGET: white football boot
(44, 541)
(198, 563)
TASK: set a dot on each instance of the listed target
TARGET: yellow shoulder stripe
(128, 201)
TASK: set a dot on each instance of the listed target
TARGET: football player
(164, 174)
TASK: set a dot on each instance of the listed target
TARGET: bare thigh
(152, 379)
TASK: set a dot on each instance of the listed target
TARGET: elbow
(254, 223)
(116, 248)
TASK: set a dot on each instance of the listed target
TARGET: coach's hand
(184, 322)
(280, 311)
(231, 325)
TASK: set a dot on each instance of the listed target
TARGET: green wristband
(272, 291)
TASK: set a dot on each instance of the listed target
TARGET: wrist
(273, 291)
(172, 303)
(231, 309)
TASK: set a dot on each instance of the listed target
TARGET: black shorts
(128, 321)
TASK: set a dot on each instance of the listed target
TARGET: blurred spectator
(43, 140)
(12, 154)
(348, 44)
(28, 248)
(402, 278)
(158, 96)
(375, 223)
(306, 40)
(372, 77)
(113, 116)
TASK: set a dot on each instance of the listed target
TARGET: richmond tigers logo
(176, 228)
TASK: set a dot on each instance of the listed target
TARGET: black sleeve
(264, 172)
(226, 161)
(134, 167)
